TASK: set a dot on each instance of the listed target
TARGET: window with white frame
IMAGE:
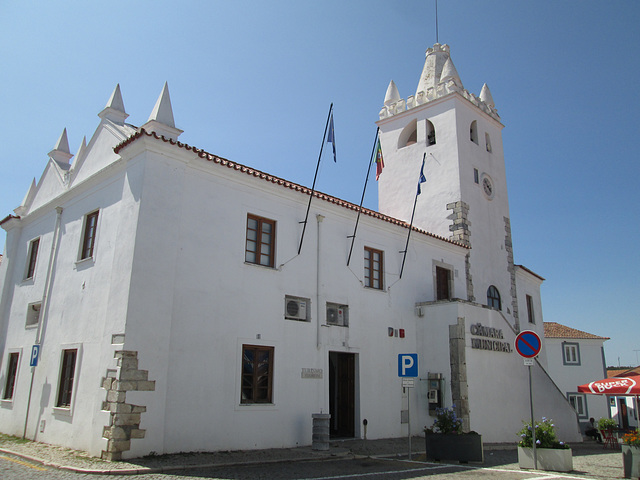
(579, 403)
(570, 353)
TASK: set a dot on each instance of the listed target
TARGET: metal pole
(533, 425)
(409, 419)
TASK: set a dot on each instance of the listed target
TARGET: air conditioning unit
(335, 316)
(296, 309)
(432, 396)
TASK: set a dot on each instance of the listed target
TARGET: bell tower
(465, 197)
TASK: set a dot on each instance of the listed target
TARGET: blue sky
(252, 81)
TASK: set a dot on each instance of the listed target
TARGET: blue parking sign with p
(408, 365)
(35, 353)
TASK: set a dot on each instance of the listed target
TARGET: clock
(487, 186)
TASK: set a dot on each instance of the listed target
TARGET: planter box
(556, 460)
(448, 446)
(631, 461)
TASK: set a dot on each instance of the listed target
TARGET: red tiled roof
(279, 181)
(623, 372)
(556, 330)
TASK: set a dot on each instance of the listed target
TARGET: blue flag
(331, 137)
(422, 178)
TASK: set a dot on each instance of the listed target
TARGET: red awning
(612, 386)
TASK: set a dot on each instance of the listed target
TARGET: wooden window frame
(67, 377)
(493, 296)
(89, 235)
(269, 258)
(34, 246)
(13, 360)
(371, 266)
(252, 391)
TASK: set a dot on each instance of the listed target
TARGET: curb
(173, 468)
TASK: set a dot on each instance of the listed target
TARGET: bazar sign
(493, 339)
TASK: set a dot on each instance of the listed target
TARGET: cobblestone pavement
(590, 460)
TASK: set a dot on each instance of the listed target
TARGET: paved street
(591, 463)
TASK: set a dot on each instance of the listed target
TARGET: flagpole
(406, 247)
(353, 237)
(313, 187)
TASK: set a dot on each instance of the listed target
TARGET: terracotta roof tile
(623, 372)
(556, 330)
(276, 180)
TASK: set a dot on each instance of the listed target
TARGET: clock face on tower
(487, 187)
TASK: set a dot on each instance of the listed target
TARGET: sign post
(408, 370)
(528, 345)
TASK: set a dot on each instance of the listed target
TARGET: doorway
(342, 394)
(622, 412)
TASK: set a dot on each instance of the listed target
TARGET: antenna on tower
(437, 41)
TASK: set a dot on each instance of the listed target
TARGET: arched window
(493, 298)
(473, 132)
(409, 135)
(431, 134)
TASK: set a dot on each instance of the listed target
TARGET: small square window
(89, 235)
(33, 314)
(337, 314)
(570, 353)
(31, 260)
(373, 268)
(260, 241)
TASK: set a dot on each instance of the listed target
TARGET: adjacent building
(171, 304)
(576, 358)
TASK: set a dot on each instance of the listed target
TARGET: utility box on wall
(434, 392)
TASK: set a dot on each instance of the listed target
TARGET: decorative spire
(392, 95)
(114, 109)
(449, 72)
(161, 118)
(486, 97)
(434, 62)
(60, 152)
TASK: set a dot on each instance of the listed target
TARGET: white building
(174, 311)
(576, 358)
(624, 409)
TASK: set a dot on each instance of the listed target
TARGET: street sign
(528, 344)
(528, 362)
(408, 365)
(408, 383)
(35, 352)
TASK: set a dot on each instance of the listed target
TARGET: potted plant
(631, 454)
(445, 439)
(551, 453)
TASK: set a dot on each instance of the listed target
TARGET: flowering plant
(607, 424)
(545, 435)
(446, 422)
(632, 438)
